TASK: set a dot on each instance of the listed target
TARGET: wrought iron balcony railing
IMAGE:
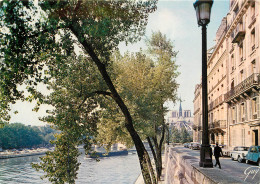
(238, 33)
(244, 86)
(219, 124)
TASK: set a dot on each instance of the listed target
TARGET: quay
(12, 154)
(181, 166)
(21, 155)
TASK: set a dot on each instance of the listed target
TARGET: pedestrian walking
(217, 153)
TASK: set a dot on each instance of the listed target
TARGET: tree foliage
(33, 42)
(17, 135)
(180, 136)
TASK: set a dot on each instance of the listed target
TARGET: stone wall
(180, 169)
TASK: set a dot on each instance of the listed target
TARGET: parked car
(191, 144)
(195, 145)
(186, 145)
(225, 150)
(239, 153)
(253, 155)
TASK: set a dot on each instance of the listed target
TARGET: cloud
(165, 21)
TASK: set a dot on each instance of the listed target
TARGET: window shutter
(244, 22)
(248, 17)
(239, 113)
(257, 36)
(244, 49)
(236, 114)
(250, 109)
(248, 45)
(256, 8)
(258, 106)
(246, 110)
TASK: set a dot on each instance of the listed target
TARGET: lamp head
(203, 10)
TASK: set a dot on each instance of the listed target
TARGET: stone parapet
(183, 168)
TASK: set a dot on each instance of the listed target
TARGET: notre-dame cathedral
(180, 118)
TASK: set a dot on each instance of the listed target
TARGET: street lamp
(168, 135)
(203, 9)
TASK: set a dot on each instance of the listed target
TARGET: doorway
(256, 137)
(212, 138)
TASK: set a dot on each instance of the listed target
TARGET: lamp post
(168, 135)
(203, 10)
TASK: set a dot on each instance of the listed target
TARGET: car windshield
(242, 149)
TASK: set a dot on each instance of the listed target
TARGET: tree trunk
(144, 159)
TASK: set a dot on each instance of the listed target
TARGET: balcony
(216, 102)
(238, 33)
(211, 106)
(221, 99)
(211, 126)
(220, 124)
(245, 86)
(217, 126)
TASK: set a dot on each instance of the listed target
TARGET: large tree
(35, 35)
(156, 73)
(164, 83)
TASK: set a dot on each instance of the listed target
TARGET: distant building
(180, 118)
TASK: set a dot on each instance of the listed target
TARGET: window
(254, 108)
(232, 84)
(253, 39)
(242, 111)
(233, 114)
(253, 9)
(241, 75)
(253, 68)
(232, 63)
(241, 51)
(236, 10)
(253, 150)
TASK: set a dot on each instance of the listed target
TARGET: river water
(110, 170)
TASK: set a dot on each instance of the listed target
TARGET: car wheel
(239, 159)
(232, 158)
(258, 163)
(247, 161)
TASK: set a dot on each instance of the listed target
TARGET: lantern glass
(203, 10)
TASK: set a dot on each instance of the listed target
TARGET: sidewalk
(231, 172)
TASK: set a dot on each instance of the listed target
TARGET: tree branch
(105, 93)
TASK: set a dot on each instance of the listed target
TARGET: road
(246, 173)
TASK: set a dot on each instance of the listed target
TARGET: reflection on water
(110, 170)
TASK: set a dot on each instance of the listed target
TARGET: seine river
(111, 170)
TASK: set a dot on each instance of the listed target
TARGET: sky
(177, 20)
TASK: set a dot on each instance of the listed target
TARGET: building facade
(234, 78)
(197, 126)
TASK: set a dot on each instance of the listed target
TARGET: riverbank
(7, 155)
(21, 155)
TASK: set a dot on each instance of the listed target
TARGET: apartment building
(234, 77)
(197, 125)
